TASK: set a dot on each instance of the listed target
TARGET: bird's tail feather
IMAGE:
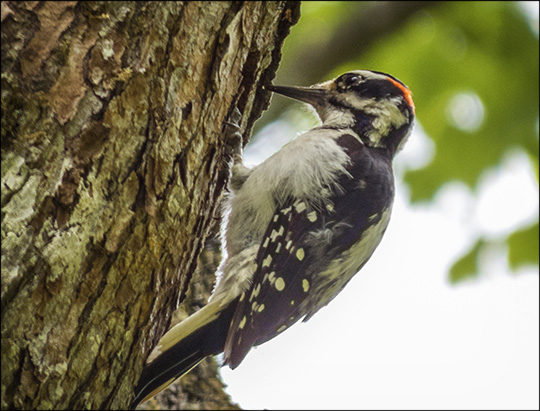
(183, 347)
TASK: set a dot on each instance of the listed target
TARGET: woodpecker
(298, 226)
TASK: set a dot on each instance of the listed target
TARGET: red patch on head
(406, 92)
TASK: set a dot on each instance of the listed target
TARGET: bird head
(377, 106)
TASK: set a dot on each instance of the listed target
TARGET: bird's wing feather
(299, 242)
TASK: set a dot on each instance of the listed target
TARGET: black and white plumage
(298, 226)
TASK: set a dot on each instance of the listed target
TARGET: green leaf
(467, 266)
(523, 247)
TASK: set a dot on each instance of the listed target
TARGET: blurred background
(446, 312)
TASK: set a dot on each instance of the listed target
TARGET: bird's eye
(348, 80)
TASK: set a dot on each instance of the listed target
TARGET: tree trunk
(113, 164)
(202, 387)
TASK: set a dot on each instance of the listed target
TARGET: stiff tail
(183, 347)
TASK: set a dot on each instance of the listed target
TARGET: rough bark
(112, 168)
(201, 388)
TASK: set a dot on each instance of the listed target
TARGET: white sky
(399, 335)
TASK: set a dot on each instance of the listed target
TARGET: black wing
(280, 284)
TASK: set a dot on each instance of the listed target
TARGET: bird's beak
(312, 95)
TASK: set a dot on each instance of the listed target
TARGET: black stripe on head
(388, 75)
(378, 89)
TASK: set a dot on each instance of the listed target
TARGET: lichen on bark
(112, 170)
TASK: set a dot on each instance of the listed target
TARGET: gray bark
(112, 169)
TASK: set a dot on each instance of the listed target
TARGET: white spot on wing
(255, 292)
(280, 284)
(300, 207)
(267, 261)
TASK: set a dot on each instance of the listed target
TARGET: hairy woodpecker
(298, 226)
